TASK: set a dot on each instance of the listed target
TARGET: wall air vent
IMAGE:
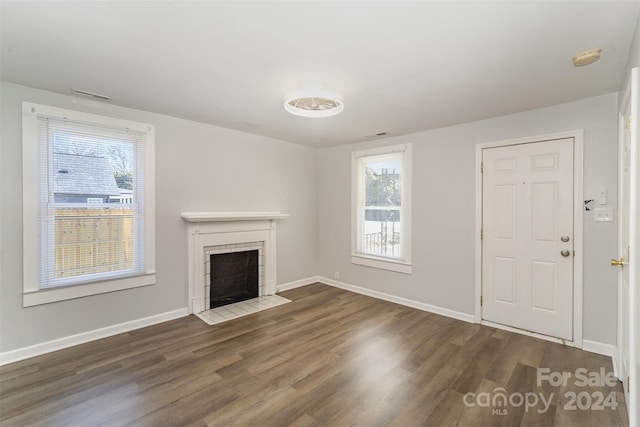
(91, 95)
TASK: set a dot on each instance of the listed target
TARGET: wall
(634, 57)
(444, 210)
(206, 168)
(198, 168)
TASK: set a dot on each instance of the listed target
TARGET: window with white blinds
(381, 213)
(91, 222)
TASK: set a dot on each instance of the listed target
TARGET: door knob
(618, 262)
(564, 239)
(565, 253)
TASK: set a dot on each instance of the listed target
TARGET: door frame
(578, 218)
(631, 97)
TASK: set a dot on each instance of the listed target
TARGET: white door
(624, 181)
(527, 242)
(628, 248)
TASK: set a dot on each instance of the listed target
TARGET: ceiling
(401, 67)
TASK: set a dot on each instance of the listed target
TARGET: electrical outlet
(603, 215)
(336, 275)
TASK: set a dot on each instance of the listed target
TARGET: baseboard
(399, 300)
(84, 337)
(600, 348)
(297, 284)
(616, 370)
(587, 345)
(70, 341)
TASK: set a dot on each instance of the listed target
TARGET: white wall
(444, 210)
(314, 187)
(198, 168)
(634, 56)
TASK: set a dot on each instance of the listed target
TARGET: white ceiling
(401, 67)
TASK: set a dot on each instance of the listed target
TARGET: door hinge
(481, 233)
(480, 300)
(481, 167)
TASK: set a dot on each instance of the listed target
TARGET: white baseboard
(600, 348)
(616, 370)
(297, 284)
(84, 337)
(399, 300)
(70, 341)
(587, 345)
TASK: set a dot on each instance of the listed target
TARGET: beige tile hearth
(242, 308)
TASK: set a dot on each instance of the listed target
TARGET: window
(381, 212)
(88, 204)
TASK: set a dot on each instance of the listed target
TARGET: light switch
(602, 197)
(603, 215)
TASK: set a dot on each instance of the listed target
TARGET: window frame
(33, 197)
(400, 264)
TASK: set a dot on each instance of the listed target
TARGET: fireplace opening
(234, 277)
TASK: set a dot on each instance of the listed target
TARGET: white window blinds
(91, 207)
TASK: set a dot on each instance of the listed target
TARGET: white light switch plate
(602, 197)
(603, 215)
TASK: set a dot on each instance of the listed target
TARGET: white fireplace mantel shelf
(230, 216)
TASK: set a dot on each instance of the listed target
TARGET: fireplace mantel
(230, 216)
(230, 229)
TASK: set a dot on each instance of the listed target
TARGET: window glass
(381, 211)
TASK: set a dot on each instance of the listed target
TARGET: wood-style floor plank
(329, 358)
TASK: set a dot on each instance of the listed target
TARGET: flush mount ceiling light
(314, 101)
(587, 57)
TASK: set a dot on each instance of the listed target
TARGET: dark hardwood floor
(330, 357)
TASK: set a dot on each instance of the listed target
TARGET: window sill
(46, 296)
(382, 263)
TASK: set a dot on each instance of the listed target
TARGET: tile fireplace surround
(228, 230)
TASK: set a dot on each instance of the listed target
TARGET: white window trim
(398, 265)
(32, 294)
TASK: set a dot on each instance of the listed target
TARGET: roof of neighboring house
(82, 174)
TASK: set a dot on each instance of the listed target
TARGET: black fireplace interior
(234, 277)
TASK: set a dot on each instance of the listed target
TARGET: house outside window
(381, 211)
(88, 204)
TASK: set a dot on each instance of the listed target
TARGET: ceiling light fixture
(587, 57)
(314, 101)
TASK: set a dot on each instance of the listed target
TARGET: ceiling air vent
(91, 95)
(376, 135)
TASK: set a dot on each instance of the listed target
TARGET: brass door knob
(618, 262)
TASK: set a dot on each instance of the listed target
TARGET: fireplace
(233, 273)
(233, 277)
(211, 234)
